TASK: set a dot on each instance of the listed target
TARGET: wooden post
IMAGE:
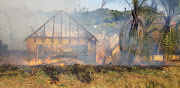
(37, 52)
(44, 34)
(69, 30)
(53, 30)
(78, 33)
(61, 28)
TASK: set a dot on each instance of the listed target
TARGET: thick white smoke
(18, 16)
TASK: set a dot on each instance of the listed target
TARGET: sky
(69, 5)
(47, 5)
(95, 4)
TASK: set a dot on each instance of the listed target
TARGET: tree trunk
(168, 24)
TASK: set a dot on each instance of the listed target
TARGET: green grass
(89, 77)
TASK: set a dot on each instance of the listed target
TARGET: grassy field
(78, 76)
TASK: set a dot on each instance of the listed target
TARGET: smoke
(18, 18)
(45, 5)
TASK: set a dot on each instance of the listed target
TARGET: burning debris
(57, 62)
(52, 81)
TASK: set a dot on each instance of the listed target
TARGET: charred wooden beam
(70, 29)
(53, 29)
(44, 33)
(78, 32)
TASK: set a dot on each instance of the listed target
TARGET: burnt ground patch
(83, 73)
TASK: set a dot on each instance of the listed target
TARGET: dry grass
(89, 77)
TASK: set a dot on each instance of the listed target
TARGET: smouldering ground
(89, 77)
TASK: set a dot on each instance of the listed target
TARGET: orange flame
(48, 60)
(35, 62)
(61, 64)
(143, 64)
(99, 59)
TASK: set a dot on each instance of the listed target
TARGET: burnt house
(62, 37)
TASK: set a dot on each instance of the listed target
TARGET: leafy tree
(169, 40)
(169, 8)
(11, 31)
(169, 44)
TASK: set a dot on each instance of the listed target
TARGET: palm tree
(136, 26)
(135, 12)
(169, 7)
